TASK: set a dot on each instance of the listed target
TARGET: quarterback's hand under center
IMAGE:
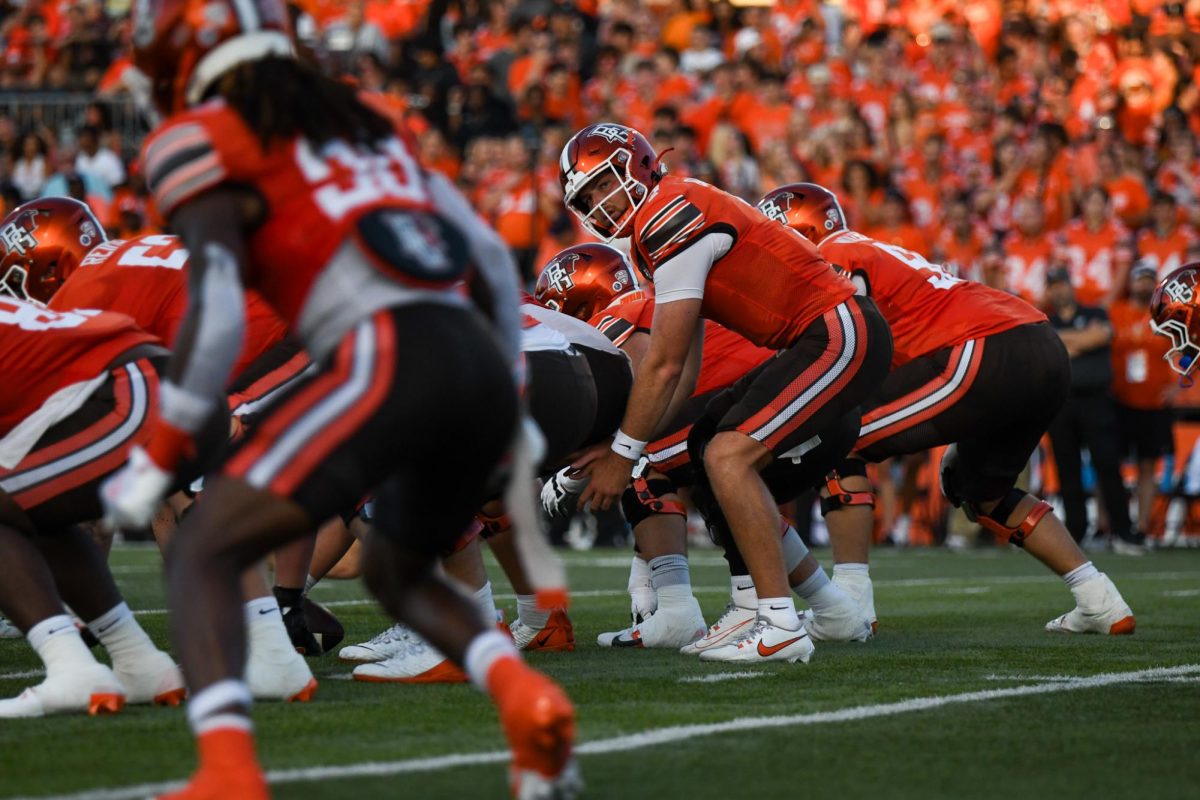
(609, 476)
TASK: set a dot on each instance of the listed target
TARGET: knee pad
(996, 521)
(473, 532)
(839, 496)
(491, 526)
(644, 498)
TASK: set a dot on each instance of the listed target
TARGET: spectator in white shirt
(31, 168)
(96, 160)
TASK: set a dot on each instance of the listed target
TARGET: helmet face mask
(607, 151)
(15, 283)
(1173, 315)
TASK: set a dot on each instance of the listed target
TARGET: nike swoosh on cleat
(635, 640)
(770, 650)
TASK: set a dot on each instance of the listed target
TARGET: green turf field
(961, 695)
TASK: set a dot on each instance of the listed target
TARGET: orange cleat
(539, 722)
(171, 698)
(105, 703)
(558, 635)
(228, 770)
(305, 694)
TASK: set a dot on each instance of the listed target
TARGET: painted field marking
(717, 677)
(658, 736)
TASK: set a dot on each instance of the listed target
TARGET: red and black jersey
(315, 198)
(146, 278)
(926, 307)
(727, 356)
(43, 351)
(770, 285)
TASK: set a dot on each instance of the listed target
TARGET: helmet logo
(17, 236)
(832, 218)
(620, 280)
(558, 274)
(776, 209)
(1178, 291)
(613, 133)
(87, 233)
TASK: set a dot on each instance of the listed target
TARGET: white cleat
(1107, 612)
(733, 622)
(380, 647)
(528, 784)
(155, 679)
(278, 673)
(84, 688)
(668, 627)
(764, 642)
(415, 661)
(842, 623)
(9, 631)
(861, 591)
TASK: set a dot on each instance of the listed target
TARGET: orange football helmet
(183, 46)
(43, 242)
(608, 150)
(584, 279)
(1174, 314)
(807, 208)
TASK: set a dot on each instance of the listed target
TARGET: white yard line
(674, 733)
(1183, 593)
(17, 676)
(717, 677)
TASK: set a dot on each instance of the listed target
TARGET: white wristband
(626, 446)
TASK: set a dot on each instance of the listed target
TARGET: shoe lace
(723, 621)
(395, 633)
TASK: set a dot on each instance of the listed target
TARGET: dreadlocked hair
(282, 98)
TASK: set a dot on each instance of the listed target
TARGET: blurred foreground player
(277, 175)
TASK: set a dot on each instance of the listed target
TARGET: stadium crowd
(1047, 147)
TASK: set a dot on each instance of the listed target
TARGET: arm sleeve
(204, 357)
(491, 258)
(683, 277)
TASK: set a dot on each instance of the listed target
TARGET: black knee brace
(839, 497)
(996, 520)
(644, 498)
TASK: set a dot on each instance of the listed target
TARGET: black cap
(1058, 275)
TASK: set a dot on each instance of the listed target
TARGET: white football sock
(57, 642)
(122, 636)
(486, 603)
(264, 624)
(529, 614)
(224, 704)
(742, 592)
(671, 579)
(484, 651)
(820, 593)
(641, 593)
(794, 549)
(779, 611)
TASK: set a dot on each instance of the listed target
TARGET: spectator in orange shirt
(1166, 244)
(961, 240)
(1028, 252)
(1097, 250)
(896, 225)
(861, 195)
(765, 118)
(1143, 385)
(1126, 186)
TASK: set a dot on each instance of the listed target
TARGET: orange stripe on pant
(315, 450)
(105, 462)
(915, 397)
(810, 376)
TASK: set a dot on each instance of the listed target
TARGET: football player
(65, 265)
(973, 367)
(79, 387)
(280, 177)
(596, 282)
(576, 386)
(710, 254)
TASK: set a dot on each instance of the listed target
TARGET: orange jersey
(926, 307)
(1140, 375)
(1026, 261)
(1095, 259)
(770, 285)
(315, 199)
(727, 356)
(146, 279)
(1169, 253)
(43, 351)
